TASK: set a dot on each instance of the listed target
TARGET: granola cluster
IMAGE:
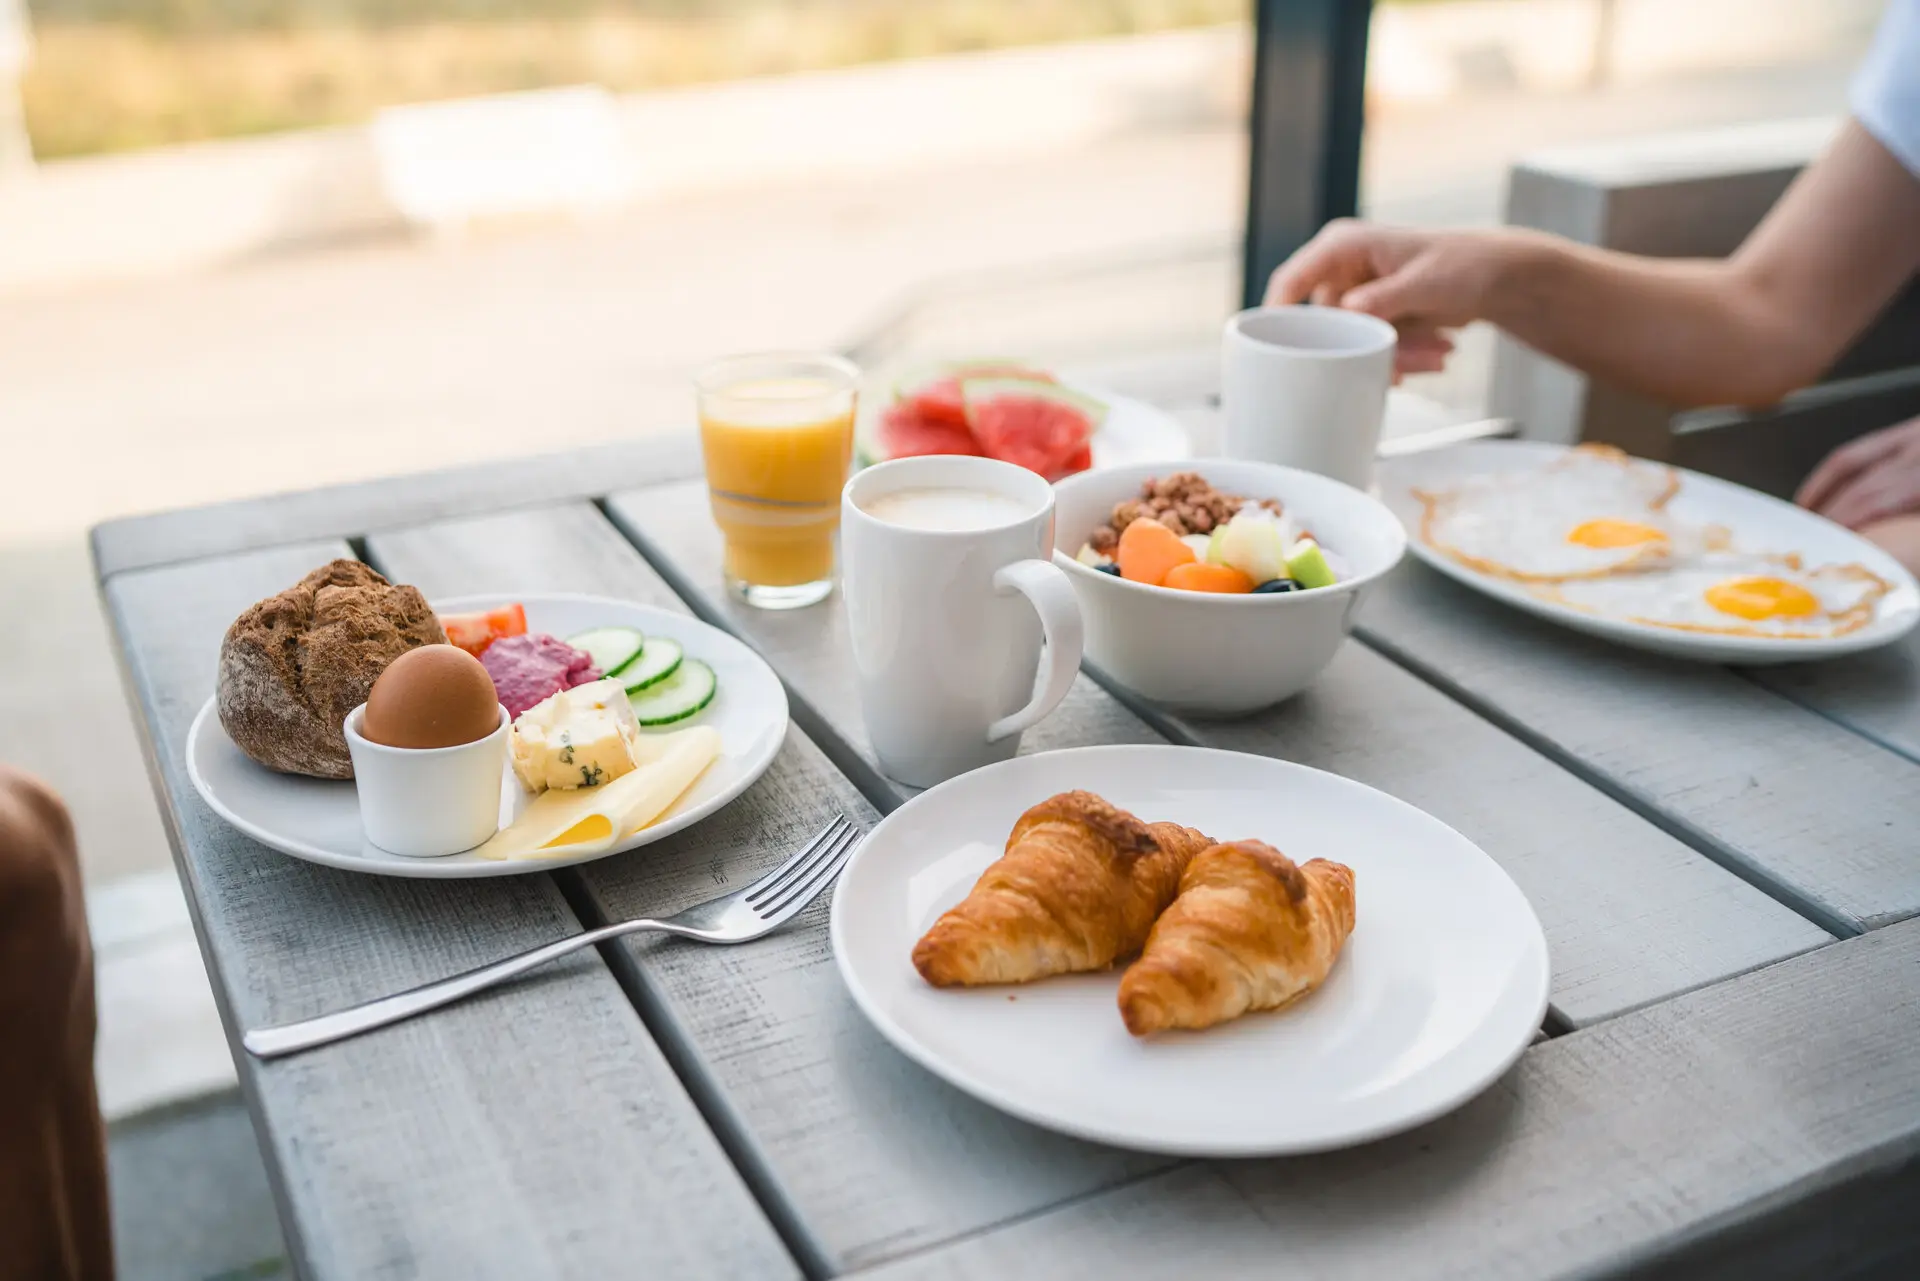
(1183, 502)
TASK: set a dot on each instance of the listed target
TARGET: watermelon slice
(1079, 460)
(905, 433)
(934, 393)
(1042, 426)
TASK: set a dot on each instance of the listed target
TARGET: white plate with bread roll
(1190, 951)
(319, 819)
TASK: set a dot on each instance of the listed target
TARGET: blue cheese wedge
(583, 821)
(581, 737)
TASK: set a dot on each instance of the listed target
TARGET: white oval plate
(1759, 523)
(1135, 432)
(319, 819)
(1440, 988)
(1132, 432)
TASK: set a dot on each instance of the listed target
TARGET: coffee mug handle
(1046, 586)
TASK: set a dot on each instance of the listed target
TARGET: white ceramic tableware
(1133, 430)
(427, 802)
(1306, 387)
(319, 819)
(947, 623)
(1220, 655)
(1440, 988)
(1757, 523)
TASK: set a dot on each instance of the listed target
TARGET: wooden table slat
(1631, 914)
(1876, 694)
(1647, 1145)
(481, 1140)
(1820, 816)
(868, 1154)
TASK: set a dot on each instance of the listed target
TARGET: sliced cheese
(580, 737)
(570, 823)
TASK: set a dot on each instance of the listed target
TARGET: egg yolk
(1757, 598)
(1605, 533)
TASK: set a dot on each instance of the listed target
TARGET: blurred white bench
(448, 165)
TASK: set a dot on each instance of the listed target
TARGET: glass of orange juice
(777, 431)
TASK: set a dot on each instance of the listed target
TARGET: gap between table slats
(1812, 813)
(381, 1147)
(1688, 1139)
(1875, 694)
(484, 549)
(849, 1145)
(1367, 719)
(438, 559)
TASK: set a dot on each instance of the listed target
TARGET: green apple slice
(1307, 565)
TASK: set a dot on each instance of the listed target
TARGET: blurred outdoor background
(255, 245)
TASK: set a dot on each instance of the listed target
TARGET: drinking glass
(777, 431)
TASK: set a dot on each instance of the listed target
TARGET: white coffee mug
(1307, 387)
(947, 621)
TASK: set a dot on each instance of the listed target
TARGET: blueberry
(1276, 585)
(1109, 568)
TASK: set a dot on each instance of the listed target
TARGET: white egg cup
(428, 802)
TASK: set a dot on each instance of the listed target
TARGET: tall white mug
(949, 591)
(1307, 387)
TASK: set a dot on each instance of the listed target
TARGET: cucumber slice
(611, 648)
(677, 697)
(659, 660)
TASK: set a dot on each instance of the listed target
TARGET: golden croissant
(1077, 889)
(1249, 931)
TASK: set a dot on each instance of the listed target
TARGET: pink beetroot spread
(531, 669)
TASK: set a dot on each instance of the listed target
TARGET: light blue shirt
(1886, 91)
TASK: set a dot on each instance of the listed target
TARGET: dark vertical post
(1309, 86)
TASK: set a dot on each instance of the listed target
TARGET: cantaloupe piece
(1148, 550)
(1202, 577)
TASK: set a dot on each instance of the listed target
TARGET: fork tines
(818, 860)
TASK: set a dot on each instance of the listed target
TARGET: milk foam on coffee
(950, 509)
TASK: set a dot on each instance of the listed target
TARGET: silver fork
(739, 917)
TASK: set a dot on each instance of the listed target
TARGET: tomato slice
(474, 632)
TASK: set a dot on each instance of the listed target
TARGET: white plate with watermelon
(1019, 414)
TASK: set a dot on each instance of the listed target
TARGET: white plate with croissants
(1190, 951)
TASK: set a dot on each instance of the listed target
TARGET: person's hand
(1899, 537)
(1868, 480)
(1424, 282)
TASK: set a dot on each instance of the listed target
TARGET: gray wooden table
(1727, 866)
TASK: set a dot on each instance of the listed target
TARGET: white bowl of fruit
(1218, 587)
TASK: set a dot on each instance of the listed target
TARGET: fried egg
(1592, 512)
(1733, 594)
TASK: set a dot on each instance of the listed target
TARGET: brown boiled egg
(433, 696)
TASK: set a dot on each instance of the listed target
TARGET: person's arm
(1827, 259)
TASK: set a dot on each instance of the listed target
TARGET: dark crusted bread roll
(295, 664)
